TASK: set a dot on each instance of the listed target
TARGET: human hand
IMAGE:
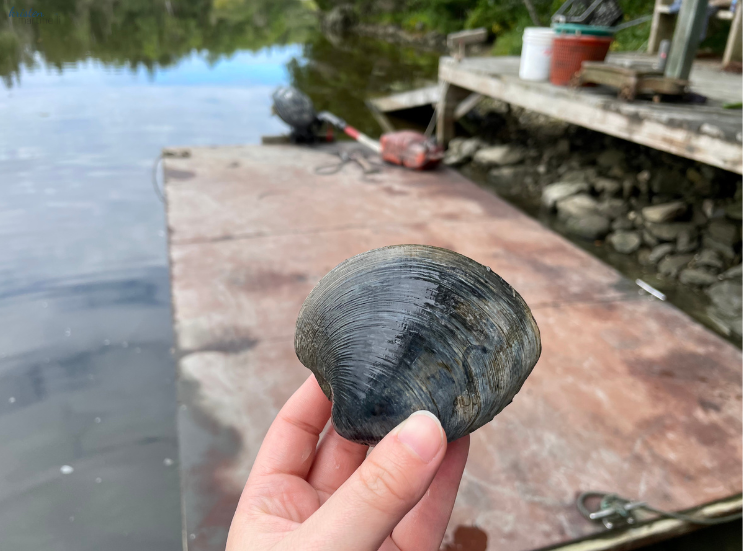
(333, 497)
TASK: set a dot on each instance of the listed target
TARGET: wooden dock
(707, 133)
(630, 395)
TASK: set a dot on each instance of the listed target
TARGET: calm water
(89, 458)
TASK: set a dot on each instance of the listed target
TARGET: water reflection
(143, 34)
(87, 379)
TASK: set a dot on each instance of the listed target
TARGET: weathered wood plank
(473, 36)
(407, 100)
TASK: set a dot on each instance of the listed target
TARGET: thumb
(389, 483)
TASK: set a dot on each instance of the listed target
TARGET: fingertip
(423, 435)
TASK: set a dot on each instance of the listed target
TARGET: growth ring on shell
(411, 327)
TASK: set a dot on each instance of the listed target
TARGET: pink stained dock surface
(630, 395)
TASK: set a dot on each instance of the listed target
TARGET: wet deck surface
(629, 396)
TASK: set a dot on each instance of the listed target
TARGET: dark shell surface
(412, 327)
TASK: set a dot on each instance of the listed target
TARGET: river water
(90, 96)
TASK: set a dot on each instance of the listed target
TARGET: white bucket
(536, 54)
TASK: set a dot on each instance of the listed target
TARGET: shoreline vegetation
(426, 22)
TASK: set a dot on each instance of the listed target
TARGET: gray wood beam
(691, 18)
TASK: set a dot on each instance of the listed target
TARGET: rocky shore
(679, 220)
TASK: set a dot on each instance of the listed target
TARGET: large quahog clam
(411, 327)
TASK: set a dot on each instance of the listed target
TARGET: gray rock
(687, 241)
(724, 231)
(664, 213)
(499, 155)
(636, 218)
(576, 206)
(625, 242)
(622, 223)
(608, 186)
(643, 256)
(643, 176)
(670, 266)
(726, 297)
(455, 145)
(461, 150)
(726, 251)
(709, 259)
(613, 208)
(734, 211)
(471, 146)
(610, 158)
(560, 190)
(454, 159)
(736, 272)
(697, 277)
(592, 226)
(660, 252)
(649, 239)
(586, 174)
(669, 231)
(453, 155)
(628, 187)
(504, 175)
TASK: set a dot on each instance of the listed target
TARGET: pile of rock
(696, 243)
(674, 215)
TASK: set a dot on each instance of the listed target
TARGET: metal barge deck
(630, 395)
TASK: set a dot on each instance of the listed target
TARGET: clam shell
(411, 327)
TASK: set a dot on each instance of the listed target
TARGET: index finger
(289, 446)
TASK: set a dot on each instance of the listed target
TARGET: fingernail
(423, 434)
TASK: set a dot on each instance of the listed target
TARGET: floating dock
(630, 395)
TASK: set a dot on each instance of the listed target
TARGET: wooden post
(733, 48)
(450, 97)
(458, 42)
(686, 38)
(662, 26)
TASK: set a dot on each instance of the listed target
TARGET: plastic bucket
(536, 53)
(570, 51)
